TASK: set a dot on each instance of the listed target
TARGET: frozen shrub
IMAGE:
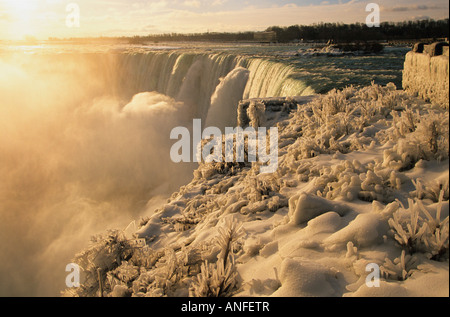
(429, 140)
(437, 239)
(352, 180)
(389, 101)
(215, 280)
(431, 190)
(265, 287)
(406, 122)
(339, 182)
(124, 275)
(349, 92)
(169, 272)
(106, 253)
(219, 279)
(416, 234)
(228, 238)
(434, 223)
(182, 223)
(408, 232)
(267, 186)
(400, 269)
(120, 291)
(433, 132)
(379, 184)
(438, 243)
(306, 170)
(162, 279)
(334, 102)
(277, 202)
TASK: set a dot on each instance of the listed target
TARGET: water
(85, 133)
(323, 73)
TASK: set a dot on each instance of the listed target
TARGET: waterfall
(194, 77)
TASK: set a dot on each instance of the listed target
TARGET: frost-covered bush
(437, 243)
(419, 136)
(266, 186)
(122, 276)
(329, 105)
(106, 253)
(399, 269)
(165, 278)
(378, 185)
(340, 181)
(352, 180)
(437, 239)
(408, 232)
(306, 171)
(415, 233)
(433, 133)
(215, 280)
(351, 120)
(125, 269)
(221, 165)
(220, 279)
(430, 190)
(405, 122)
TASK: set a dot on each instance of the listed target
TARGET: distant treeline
(337, 32)
(195, 37)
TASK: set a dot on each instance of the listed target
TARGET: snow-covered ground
(362, 182)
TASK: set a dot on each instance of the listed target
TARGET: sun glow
(22, 17)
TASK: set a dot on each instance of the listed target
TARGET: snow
(305, 207)
(299, 277)
(358, 170)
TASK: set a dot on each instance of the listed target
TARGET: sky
(42, 19)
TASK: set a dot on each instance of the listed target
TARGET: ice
(305, 207)
(428, 77)
(326, 223)
(304, 278)
(365, 230)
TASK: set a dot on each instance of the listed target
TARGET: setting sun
(21, 15)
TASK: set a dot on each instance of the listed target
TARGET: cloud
(415, 7)
(192, 3)
(420, 18)
(219, 2)
(234, 16)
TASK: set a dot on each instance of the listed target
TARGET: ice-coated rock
(304, 207)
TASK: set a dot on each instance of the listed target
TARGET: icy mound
(427, 76)
(350, 49)
(362, 182)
